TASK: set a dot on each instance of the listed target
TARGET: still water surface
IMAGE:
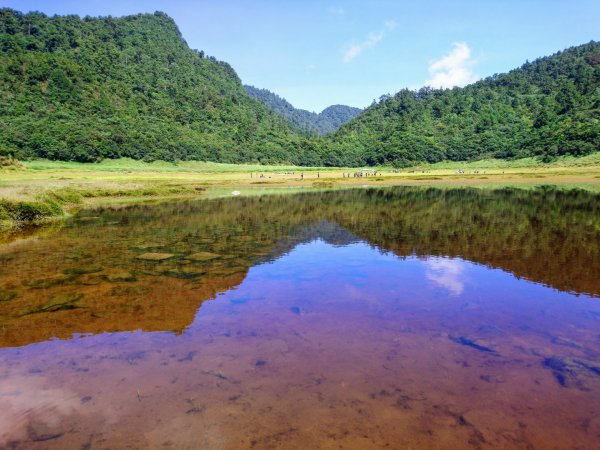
(400, 318)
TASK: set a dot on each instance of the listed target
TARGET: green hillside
(334, 116)
(549, 107)
(86, 89)
(93, 88)
(327, 121)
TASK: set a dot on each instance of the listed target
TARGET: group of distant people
(461, 171)
(359, 174)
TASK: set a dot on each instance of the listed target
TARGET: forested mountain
(92, 88)
(334, 116)
(549, 107)
(329, 120)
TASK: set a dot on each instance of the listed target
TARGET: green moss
(4, 216)
(65, 196)
(32, 211)
(60, 302)
(6, 296)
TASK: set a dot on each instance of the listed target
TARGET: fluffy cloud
(454, 69)
(373, 39)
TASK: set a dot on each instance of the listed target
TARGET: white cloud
(447, 273)
(337, 11)
(454, 69)
(373, 39)
(26, 400)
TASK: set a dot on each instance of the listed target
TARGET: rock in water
(155, 256)
(202, 256)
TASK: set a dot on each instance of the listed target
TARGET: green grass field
(126, 164)
(39, 190)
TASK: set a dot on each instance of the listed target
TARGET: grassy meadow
(41, 190)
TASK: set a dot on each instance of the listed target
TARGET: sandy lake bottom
(360, 319)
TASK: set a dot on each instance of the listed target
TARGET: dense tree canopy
(549, 107)
(92, 88)
(327, 121)
(88, 88)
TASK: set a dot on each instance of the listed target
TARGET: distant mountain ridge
(327, 121)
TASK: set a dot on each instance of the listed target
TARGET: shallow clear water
(400, 318)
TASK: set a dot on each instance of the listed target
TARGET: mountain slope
(549, 107)
(92, 88)
(329, 120)
(334, 116)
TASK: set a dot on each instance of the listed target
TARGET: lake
(362, 318)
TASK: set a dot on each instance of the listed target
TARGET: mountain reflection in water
(358, 318)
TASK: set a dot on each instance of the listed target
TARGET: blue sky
(318, 53)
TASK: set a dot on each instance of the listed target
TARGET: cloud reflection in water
(447, 273)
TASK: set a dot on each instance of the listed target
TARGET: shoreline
(39, 191)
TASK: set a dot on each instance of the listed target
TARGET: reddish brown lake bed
(394, 318)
